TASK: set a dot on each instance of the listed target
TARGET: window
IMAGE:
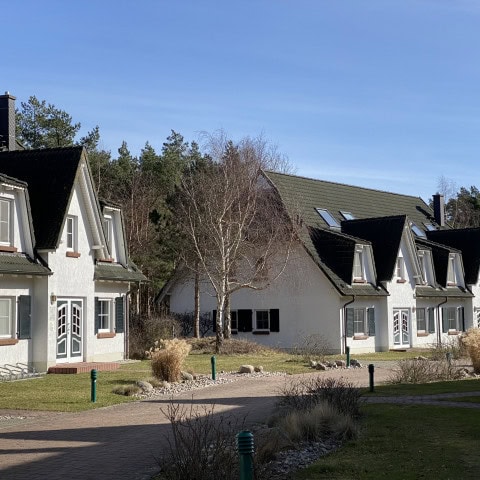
(107, 226)
(347, 215)
(426, 320)
(453, 319)
(71, 233)
(360, 322)
(328, 217)
(6, 318)
(400, 269)
(104, 315)
(233, 321)
(5, 222)
(430, 227)
(451, 271)
(421, 320)
(358, 266)
(262, 320)
(417, 231)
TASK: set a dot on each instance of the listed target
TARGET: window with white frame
(451, 271)
(360, 321)
(359, 327)
(400, 269)
(453, 319)
(107, 226)
(104, 314)
(6, 318)
(262, 320)
(71, 233)
(5, 222)
(358, 265)
(425, 320)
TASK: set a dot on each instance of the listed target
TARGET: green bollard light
(348, 356)
(245, 450)
(93, 377)
(371, 370)
(214, 367)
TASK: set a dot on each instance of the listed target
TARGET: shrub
(168, 359)
(202, 446)
(471, 340)
(424, 371)
(127, 390)
(454, 345)
(312, 347)
(230, 346)
(144, 330)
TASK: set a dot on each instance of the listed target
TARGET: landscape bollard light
(348, 356)
(214, 367)
(371, 370)
(449, 357)
(93, 377)
(245, 450)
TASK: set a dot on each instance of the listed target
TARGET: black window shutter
(119, 315)
(371, 321)
(24, 316)
(444, 320)
(431, 320)
(461, 318)
(214, 318)
(97, 314)
(244, 320)
(350, 316)
(274, 320)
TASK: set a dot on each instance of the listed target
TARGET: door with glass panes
(69, 330)
(401, 327)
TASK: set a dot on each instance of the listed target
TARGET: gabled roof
(385, 235)
(50, 175)
(467, 240)
(21, 264)
(117, 272)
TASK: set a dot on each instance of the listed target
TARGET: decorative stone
(313, 364)
(321, 366)
(246, 369)
(341, 363)
(355, 363)
(187, 377)
(144, 386)
(259, 369)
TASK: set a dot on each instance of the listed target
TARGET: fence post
(371, 370)
(93, 392)
(214, 367)
(245, 450)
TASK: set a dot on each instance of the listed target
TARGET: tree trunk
(227, 324)
(220, 321)
(196, 320)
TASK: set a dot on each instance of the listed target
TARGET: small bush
(424, 371)
(312, 347)
(127, 390)
(230, 346)
(471, 340)
(454, 345)
(168, 359)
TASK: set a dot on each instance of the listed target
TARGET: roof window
(417, 231)
(430, 227)
(328, 217)
(347, 215)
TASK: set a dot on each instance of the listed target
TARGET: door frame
(401, 310)
(73, 330)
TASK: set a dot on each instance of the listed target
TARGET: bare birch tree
(234, 222)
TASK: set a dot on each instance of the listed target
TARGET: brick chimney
(7, 122)
(439, 209)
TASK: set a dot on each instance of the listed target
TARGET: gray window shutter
(244, 320)
(350, 316)
(461, 318)
(97, 314)
(371, 321)
(444, 320)
(119, 315)
(214, 317)
(274, 320)
(431, 320)
(24, 316)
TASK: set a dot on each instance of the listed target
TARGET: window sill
(6, 248)
(451, 284)
(454, 332)
(107, 260)
(359, 280)
(361, 337)
(72, 254)
(106, 335)
(261, 332)
(8, 341)
(422, 334)
(401, 280)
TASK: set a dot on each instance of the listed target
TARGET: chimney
(439, 209)
(7, 122)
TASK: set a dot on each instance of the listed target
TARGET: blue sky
(378, 93)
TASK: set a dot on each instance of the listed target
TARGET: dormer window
(451, 279)
(358, 271)
(5, 222)
(328, 218)
(107, 226)
(347, 215)
(400, 270)
(430, 227)
(417, 231)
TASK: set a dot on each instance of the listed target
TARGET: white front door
(69, 330)
(401, 328)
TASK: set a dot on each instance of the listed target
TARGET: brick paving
(122, 442)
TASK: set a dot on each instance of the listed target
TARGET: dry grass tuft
(127, 390)
(229, 346)
(168, 359)
(471, 340)
(424, 371)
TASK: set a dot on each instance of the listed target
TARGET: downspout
(439, 330)
(345, 323)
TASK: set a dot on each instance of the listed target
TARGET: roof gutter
(345, 323)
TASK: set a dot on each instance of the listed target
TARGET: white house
(64, 269)
(372, 270)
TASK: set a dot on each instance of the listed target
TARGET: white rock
(246, 369)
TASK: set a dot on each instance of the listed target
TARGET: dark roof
(50, 175)
(117, 272)
(431, 292)
(302, 195)
(467, 240)
(21, 264)
(385, 235)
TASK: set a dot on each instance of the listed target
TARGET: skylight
(347, 215)
(417, 231)
(327, 216)
(429, 227)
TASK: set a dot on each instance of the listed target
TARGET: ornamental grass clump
(168, 359)
(472, 341)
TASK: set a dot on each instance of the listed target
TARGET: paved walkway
(122, 442)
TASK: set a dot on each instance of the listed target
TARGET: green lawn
(470, 385)
(406, 443)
